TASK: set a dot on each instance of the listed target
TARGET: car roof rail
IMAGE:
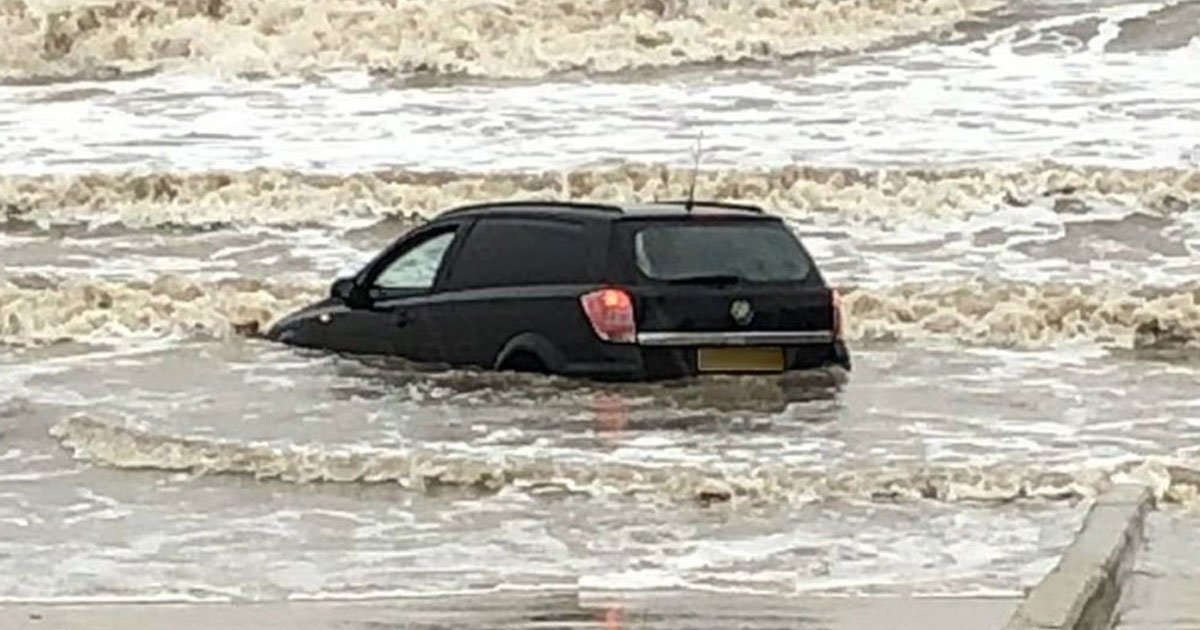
(725, 205)
(533, 203)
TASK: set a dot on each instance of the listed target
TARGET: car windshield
(721, 252)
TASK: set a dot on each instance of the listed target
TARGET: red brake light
(835, 300)
(610, 312)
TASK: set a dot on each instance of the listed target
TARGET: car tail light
(610, 312)
(835, 300)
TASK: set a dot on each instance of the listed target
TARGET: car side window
(416, 269)
(501, 252)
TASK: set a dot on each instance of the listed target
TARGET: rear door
(516, 275)
(704, 275)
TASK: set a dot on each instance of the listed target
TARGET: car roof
(611, 211)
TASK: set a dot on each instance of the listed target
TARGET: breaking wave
(1028, 315)
(47, 40)
(129, 447)
(1015, 314)
(277, 197)
(39, 311)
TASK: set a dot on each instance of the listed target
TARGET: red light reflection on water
(611, 415)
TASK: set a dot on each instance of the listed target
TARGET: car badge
(741, 312)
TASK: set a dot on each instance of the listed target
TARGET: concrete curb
(1082, 590)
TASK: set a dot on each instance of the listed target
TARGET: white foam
(135, 447)
(853, 196)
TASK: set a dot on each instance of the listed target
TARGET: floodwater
(1009, 193)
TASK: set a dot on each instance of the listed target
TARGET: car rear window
(762, 252)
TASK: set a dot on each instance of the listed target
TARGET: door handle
(402, 319)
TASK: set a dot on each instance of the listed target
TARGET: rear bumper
(673, 361)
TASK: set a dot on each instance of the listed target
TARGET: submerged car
(624, 292)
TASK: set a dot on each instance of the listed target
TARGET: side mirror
(343, 289)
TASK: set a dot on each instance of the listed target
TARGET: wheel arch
(532, 344)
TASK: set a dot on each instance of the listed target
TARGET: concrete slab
(1082, 591)
(1164, 591)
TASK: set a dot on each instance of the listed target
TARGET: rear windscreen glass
(749, 252)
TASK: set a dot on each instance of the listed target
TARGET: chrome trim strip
(736, 338)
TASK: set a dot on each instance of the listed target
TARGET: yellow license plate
(740, 359)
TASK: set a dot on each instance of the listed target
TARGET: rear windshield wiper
(717, 279)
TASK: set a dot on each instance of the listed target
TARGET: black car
(655, 291)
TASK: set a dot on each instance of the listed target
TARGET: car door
(393, 315)
(513, 275)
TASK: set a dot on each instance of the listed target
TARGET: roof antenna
(691, 198)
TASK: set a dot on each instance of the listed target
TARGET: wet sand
(674, 611)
